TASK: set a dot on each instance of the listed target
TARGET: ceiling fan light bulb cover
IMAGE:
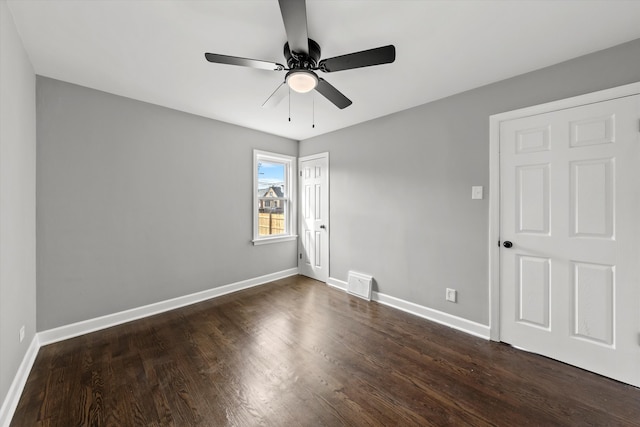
(302, 81)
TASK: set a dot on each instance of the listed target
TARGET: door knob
(507, 244)
(323, 227)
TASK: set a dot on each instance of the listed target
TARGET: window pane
(271, 185)
(271, 182)
(271, 220)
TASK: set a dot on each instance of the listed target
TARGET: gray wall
(401, 205)
(139, 203)
(17, 201)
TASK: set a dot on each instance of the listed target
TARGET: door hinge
(300, 256)
(300, 174)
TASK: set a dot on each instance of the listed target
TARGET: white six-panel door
(570, 207)
(313, 259)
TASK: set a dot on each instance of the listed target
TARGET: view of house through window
(272, 201)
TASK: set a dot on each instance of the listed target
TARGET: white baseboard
(19, 381)
(86, 326)
(338, 284)
(446, 319)
(455, 322)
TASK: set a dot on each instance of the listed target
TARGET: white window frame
(289, 196)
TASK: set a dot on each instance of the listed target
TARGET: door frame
(323, 155)
(494, 180)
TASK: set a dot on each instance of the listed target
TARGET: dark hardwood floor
(298, 353)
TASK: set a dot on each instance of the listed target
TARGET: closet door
(570, 215)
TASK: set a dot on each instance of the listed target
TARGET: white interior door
(313, 258)
(570, 207)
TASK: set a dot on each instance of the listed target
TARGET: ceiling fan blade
(278, 95)
(332, 94)
(244, 62)
(365, 58)
(294, 15)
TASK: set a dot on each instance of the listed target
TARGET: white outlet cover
(452, 295)
(476, 192)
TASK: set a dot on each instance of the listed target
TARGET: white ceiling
(153, 50)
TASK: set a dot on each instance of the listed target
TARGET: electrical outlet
(452, 295)
(22, 333)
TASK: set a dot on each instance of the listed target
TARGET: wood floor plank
(297, 352)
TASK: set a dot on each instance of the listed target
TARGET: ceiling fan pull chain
(313, 111)
(289, 104)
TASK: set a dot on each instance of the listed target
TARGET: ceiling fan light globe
(302, 81)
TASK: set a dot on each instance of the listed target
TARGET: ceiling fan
(303, 59)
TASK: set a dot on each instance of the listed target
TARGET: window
(274, 198)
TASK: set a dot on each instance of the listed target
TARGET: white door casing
(569, 288)
(313, 245)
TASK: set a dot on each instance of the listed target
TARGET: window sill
(269, 240)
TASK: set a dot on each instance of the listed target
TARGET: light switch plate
(476, 192)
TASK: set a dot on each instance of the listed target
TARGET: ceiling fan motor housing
(302, 59)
